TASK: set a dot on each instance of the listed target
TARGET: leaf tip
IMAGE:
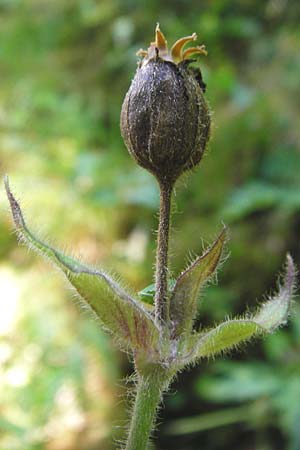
(290, 281)
(274, 313)
(14, 206)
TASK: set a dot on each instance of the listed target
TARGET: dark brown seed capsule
(165, 120)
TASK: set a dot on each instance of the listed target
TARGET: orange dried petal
(160, 40)
(177, 48)
(192, 50)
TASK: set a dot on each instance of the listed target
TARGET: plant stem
(148, 396)
(161, 272)
(151, 387)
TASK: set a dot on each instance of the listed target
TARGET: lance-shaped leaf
(271, 315)
(184, 298)
(226, 335)
(275, 311)
(126, 318)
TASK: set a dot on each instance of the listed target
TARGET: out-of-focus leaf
(257, 196)
(220, 418)
(287, 404)
(183, 303)
(250, 198)
(282, 165)
(238, 382)
(278, 345)
(122, 315)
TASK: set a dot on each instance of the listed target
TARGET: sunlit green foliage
(65, 66)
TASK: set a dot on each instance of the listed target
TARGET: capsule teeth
(177, 48)
(142, 53)
(160, 40)
(200, 50)
(159, 48)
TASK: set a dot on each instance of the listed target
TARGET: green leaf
(148, 293)
(126, 318)
(271, 315)
(225, 336)
(184, 299)
(275, 311)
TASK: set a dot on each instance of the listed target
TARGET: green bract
(174, 344)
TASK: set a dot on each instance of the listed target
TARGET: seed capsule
(165, 120)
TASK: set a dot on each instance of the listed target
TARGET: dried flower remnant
(165, 120)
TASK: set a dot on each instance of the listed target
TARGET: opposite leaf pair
(173, 344)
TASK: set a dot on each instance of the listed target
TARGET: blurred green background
(65, 67)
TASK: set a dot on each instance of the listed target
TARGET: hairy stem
(148, 396)
(161, 273)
